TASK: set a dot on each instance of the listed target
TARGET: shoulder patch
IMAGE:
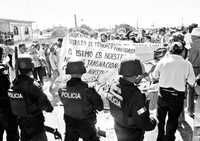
(115, 99)
(141, 111)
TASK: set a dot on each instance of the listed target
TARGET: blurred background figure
(38, 68)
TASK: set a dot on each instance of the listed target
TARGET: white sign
(100, 57)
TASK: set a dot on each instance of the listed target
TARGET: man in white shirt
(173, 72)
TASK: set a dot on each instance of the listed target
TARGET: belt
(173, 91)
(196, 67)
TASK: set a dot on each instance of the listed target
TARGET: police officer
(28, 101)
(128, 105)
(173, 72)
(80, 105)
(8, 121)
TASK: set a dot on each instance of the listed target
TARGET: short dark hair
(22, 45)
(177, 48)
(60, 40)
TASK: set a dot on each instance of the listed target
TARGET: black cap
(25, 63)
(130, 68)
(76, 67)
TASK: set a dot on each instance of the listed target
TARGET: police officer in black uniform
(80, 105)
(28, 101)
(128, 105)
(8, 121)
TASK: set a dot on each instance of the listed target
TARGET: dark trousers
(32, 128)
(128, 134)
(172, 106)
(8, 123)
(38, 137)
(76, 129)
(39, 71)
(191, 96)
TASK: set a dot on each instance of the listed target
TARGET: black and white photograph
(99, 70)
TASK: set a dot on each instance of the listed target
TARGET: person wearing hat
(8, 122)
(194, 58)
(128, 105)
(81, 104)
(172, 72)
(28, 101)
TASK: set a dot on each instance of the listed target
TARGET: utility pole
(137, 25)
(75, 20)
(182, 21)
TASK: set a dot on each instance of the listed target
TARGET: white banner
(101, 58)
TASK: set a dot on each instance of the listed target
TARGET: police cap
(25, 63)
(132, 67)
(75, 67)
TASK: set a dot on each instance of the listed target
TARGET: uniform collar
(177, 56)
(75, 81)
(125, 82)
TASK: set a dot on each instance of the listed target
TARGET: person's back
(180, 68)
(80, 105)
(194, 55)
(173, 73)
(8, 121)
(128, 105)
(28, 101)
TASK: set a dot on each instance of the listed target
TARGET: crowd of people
(6, 38)
(176, 71)
(157, 35)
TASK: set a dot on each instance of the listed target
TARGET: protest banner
(102, 57)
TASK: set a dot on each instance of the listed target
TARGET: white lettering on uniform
(71, 95)
(113, 99)
(141, 111)
(15, 95)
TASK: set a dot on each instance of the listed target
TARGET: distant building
(21, 30)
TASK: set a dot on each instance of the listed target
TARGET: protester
(173, 71)
(128, 105)
(53, 60)
(38, 70)
(80, 105)
(48, 65)
(194, 58)
(28, 101)
(8, 121)
(22, 49)
(188, 38)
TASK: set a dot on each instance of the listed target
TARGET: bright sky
(102, 13)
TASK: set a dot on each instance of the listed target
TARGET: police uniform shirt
(174, 71)
(128, 106)
(79, 101)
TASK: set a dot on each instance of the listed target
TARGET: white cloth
(53, 61)
(188, 40)
(173, 71)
